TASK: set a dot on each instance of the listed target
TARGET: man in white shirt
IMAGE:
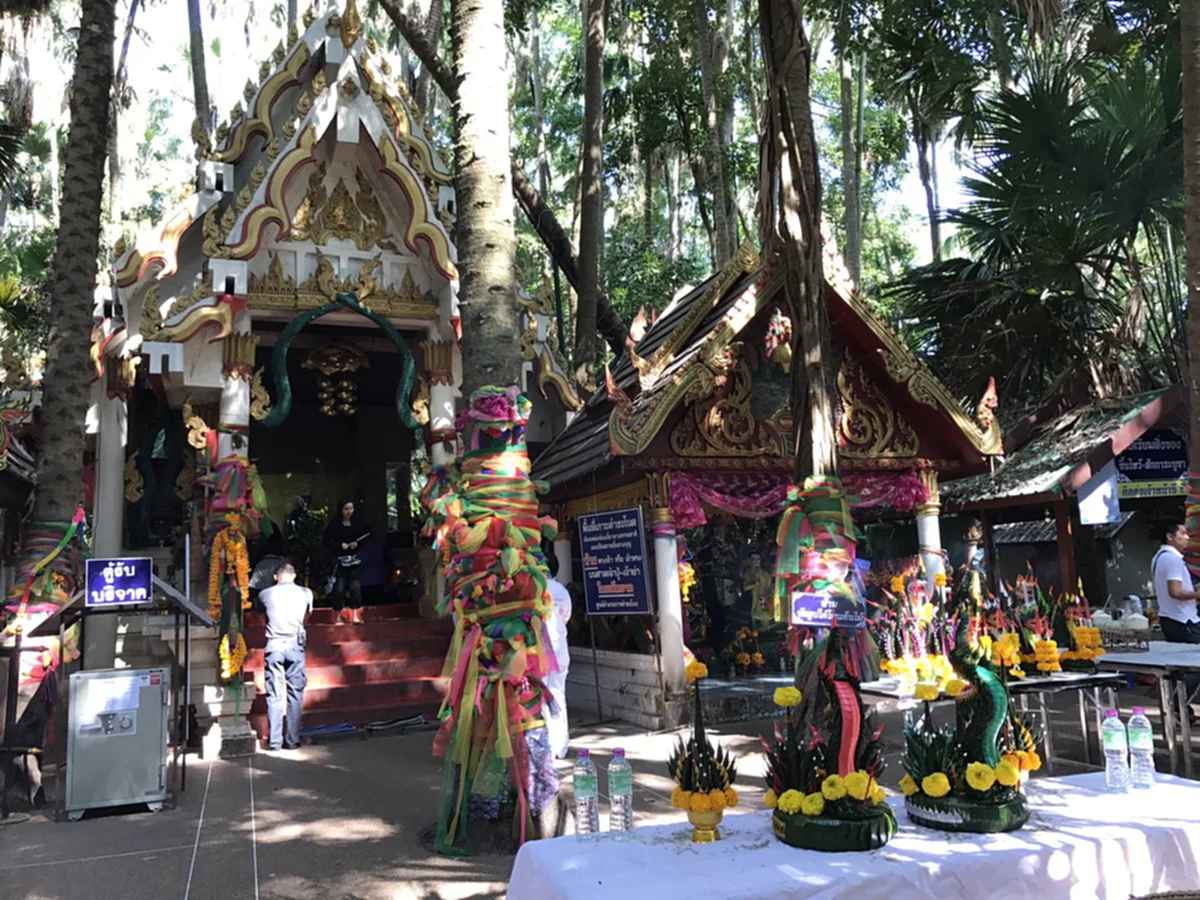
(287, 606)
(1173, 588)
(556, 630)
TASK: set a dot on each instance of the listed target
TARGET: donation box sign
(118, 582)
(615, 577)
(820, 611)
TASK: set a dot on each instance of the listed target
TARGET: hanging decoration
(229, 591)
(492, 734)
(335, 364)
(815, 543)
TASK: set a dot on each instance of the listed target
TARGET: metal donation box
(117, 739)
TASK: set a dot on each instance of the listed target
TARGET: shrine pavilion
(294, 325)
(696, 423)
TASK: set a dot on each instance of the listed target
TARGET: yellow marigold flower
(787, 696)
(981, 776)
(731, 798)
(1016, 672)
(833, 788)
(695, 671)
(1035, 761)
(681, 799)
(717, 799)
(791, 802)
(1007, 774)
(1013, 759)
(858, 785)
(909, 786)
(813, 805)
(770, 800)
(927, 691)
(936, 785)
(701, 803)
(877, 795)
(955, 686)
(939, 580)
(897, 584)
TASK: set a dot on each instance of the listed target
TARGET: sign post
(1155, 465)
(819, 610)
(113, 583)
(616, 580)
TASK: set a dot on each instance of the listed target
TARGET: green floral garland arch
(283, 404)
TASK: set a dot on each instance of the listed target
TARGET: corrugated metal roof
(1044, 531)
(1052, 452)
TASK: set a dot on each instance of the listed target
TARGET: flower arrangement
(232, 658)
(1087, 650)
(703, 775)
(1045, 655)
(687, 580)
(913, 634)
(743, 654)
(229, 591)
(823, 763)
(966, 775)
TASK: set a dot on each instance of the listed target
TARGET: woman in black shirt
(342, 537)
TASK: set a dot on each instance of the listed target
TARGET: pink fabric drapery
(761, 495)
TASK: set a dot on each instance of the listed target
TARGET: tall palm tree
(67, 382)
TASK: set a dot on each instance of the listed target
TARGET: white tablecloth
(1080, 842)
(1162, 654)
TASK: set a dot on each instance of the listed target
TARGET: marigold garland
(231, 660)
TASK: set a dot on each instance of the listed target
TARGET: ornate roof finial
(352, 25)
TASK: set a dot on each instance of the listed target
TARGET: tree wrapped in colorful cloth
(492, 735)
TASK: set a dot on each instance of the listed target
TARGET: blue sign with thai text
(118, 582)
(821, 610)
(615, 577)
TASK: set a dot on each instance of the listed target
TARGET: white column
(670, 608)
(235, 411)
(562, 551)
(100, 632)
(929, 532)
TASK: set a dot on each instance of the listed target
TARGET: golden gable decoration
(870, 427)
(339, 214)
(278, 291)
(724, 425)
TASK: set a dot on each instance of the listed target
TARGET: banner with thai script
(118, 582)
(616, 579)
(1155, 465)
(821, 611)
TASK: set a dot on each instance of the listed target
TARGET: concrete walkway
(344, 821)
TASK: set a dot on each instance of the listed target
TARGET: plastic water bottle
(1116, 753)
(1141, 749)
(587, 804)
(620, 794)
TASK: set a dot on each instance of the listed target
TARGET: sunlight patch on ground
(274, 827)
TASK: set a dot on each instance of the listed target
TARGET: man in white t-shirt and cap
(1173, 587)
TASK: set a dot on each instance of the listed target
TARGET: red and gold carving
(723, 425)
(238, 356)
(870, 427)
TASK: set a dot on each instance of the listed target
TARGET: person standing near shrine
(287, 606)
(342, 537)
(556, 682)
(1173, 587)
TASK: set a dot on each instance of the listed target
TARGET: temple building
(292, 328)
(695, 427)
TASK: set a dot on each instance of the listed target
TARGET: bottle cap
(582, 754)
(1139, 710)
(1110, 714)
(618, 753)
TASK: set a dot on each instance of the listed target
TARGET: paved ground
(342, 821)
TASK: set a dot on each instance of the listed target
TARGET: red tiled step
(357, 653)
(404, 670)
(391, 630)
(327, 616)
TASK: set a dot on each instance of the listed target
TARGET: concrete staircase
(385, 668)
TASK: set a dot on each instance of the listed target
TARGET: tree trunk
(1189, 13)
(591, 217)
(921, 136)
(423, 89)
(199, 69)
(674, 226)
(792, 217)
(66, 387)
(724, 236)
(114, 136)
(291, 11)
(648, 200)
(852, 221)
(1001, 50)
(487, 246)
(535, 52)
